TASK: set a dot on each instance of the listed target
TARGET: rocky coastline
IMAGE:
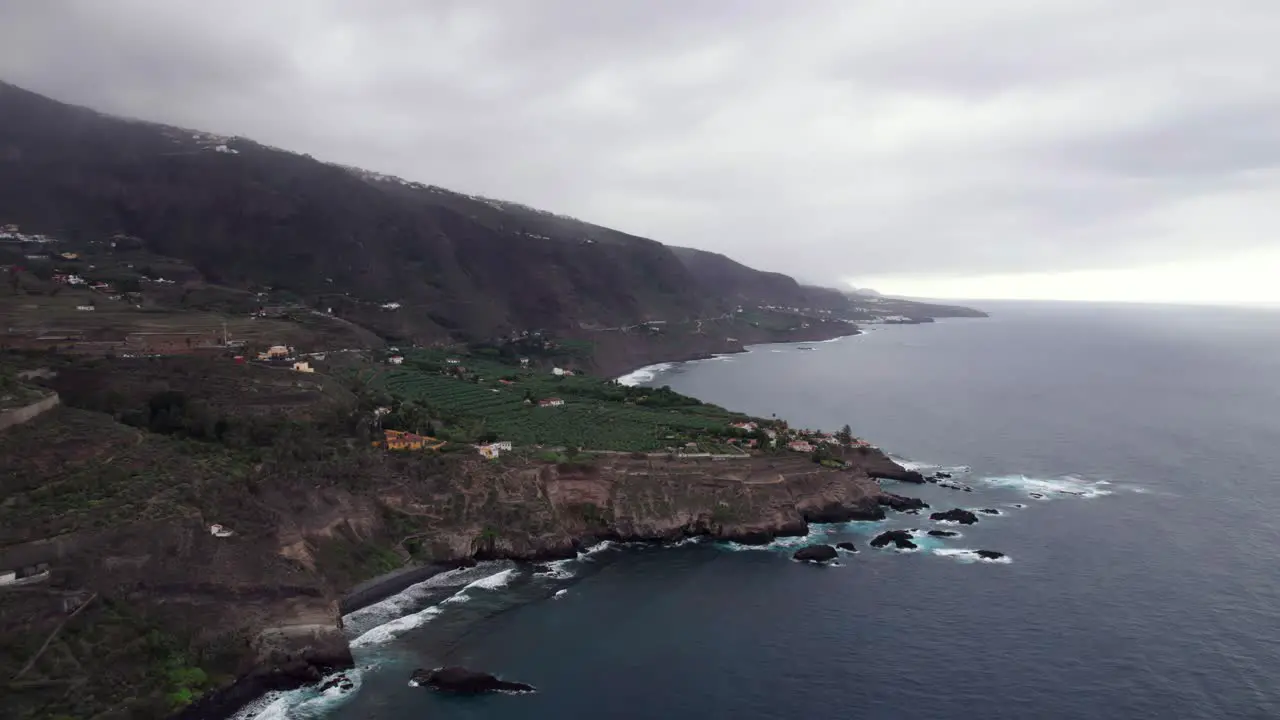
(617, 355)
(564, 510)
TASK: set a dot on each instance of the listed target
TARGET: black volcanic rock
(900, 503)
(941, 475)
(848, 546)
(900, 539)
(989, 511)
(989, 554)
(943, 533)
(960, 515)
(815, 553)
(897, 473)
(461, 681)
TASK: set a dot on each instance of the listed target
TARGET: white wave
(494, 581)
(390, 630)
(561, 593)
(1064, 486)
(304, 702)
(595, 550)
(966, 555)
(411, 597)
(558, 570)
(648, 373)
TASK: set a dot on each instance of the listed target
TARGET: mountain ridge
(247, 215)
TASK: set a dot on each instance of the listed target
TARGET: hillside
(723, 277)
(136, 606)
(244, 214)
(409, 261)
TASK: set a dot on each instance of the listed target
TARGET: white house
(396, 360)
(391, 306)
(524, 362)
(452, 361)
(558, 372)
(550, 402)
(303, 366)
(220, 531)
(493, 450)
(86, 308)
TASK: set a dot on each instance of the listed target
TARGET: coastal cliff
(270, 596)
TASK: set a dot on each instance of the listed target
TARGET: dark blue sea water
(1144, 582)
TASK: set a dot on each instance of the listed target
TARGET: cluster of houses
(402, 440)
(13, 233)
(802, 441)
(282, 356)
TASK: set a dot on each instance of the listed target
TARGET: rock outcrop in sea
(815, 553)
(900, 539)
(461, 681)
(957, 515)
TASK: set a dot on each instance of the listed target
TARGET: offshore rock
(959, 515)
(461, 681)
(815, 553)
(900, 539)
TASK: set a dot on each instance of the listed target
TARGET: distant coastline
(648, 373)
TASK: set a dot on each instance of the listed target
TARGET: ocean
(1132, 454)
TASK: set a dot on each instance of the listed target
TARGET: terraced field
(594, 415)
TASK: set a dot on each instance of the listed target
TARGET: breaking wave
(1047, 488)
(492, 582)
(921, 466)
(394, 628)
(559, 570)
(648, 373)
(594, 550)
(387, 620)
(414, 596)
(965, 555)
(306, 702)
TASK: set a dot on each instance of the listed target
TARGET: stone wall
(17, 416)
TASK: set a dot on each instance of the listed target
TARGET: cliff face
(269, 597)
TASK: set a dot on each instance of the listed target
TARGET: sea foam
(1047, 488)
(648, 373)
(304, 702)
(966, 555)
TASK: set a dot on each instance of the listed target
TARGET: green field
(597, 415)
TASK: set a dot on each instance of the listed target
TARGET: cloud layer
(873, 140)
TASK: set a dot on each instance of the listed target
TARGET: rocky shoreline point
(461, 681)
(563, 509)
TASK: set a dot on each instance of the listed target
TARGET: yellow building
(401, 440)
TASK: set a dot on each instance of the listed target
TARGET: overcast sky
(1106, 149)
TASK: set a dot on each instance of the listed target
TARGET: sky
(1064, 149)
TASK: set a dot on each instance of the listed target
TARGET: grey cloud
(827, 140)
